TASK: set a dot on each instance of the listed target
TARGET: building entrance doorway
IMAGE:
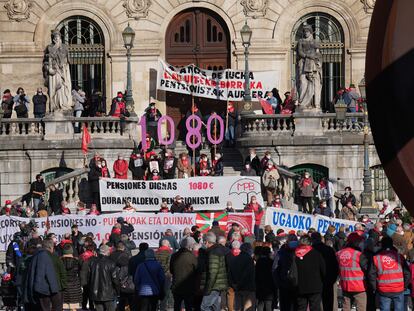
(200, 37)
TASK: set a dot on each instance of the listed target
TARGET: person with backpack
(21, 106)
(285, 274)
(351, 97)
(352, 269)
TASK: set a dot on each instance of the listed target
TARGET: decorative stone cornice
(137, 8)
(18, 10)
(254, 8)
(368, 5)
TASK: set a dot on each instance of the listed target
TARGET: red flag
(267, 107)
(86, 139)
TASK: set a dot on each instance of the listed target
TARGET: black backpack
(287, 272)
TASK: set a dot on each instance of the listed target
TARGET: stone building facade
(205, 32)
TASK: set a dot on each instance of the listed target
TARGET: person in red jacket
(390, 276)
(121, 168)
(352, 268)
(257, 209)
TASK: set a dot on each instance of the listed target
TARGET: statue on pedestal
(309, 70)
(57, 74)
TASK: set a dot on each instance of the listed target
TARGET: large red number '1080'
(192, 131)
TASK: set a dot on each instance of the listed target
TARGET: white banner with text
(280, 218)
(224, 84)
(203, 193)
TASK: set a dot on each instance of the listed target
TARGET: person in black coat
(137, 165)
(126, 228)
(311, 273)
(93, 178)
(254, 161)
(265, 286)
(168, 165)
(218, 166)
(248, 170)
(55, 200)
(178, 205)
(39, 104)
(329, 301)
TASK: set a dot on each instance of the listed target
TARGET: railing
(105, 127)
(263, 125)
(70, 184)
(21, 127)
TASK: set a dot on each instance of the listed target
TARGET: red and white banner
(225, 84)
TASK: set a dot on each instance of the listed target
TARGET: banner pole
(194, 151)
(227, 119)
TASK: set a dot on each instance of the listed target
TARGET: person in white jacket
(326, 192)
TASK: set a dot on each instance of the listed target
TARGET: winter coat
(241, 272)
(218, 168)
(168, 166)
(38, 186)
(93, 178)
(55, 200)
(135, 261)
(163, 255)
(177, 207)
(121, 169)
(306, 190)
(348, 213)
(409, 238)
(40, 278)
(270, 178)
(255, 164)
(21, 100)
(152, 116)
(149, 278)
(265, 285)
(126, 281)
(103, 279)
(332, 268)
(311, 272)
(327, 192)
(340, 240)
(73, 292)
(326, 211)
(137, 167)
(183, 267)
(350, 198)
(172, 240)
(7, 106)
(39, 104)
(217, 231)
(60, 271)
(78, 101)
(257, 210)
(250, 172)
(184, 169)
(216, 271)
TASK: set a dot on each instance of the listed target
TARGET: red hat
(120, 95)
(292, 232)
(8, 202)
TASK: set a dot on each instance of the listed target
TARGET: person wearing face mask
(390, 276)
(353, 266)
(152, 115)
(137, 165)
(184, 168)
(178, 205)
(168, 165)
(307, 188)
(270, 181)
(323, 209)
(254, 161)
(37, 191)
(150, 144)
(8, 209)
(257, 209)
(104, 169)
(218, 166)
(277, 202)
(348, 212)
(203, 167)
(266, 158)
(121, 168)
(348, 196)
(248, 170)
(39, 104)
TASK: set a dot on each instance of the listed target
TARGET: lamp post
(367, 193)
(128, 36)
(246, 36)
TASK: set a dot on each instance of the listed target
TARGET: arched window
(85, 41)
(330, 34)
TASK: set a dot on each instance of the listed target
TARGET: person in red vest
(121, 168)
(352, 268)
(118, 107)
(390, 275)
(257, 209)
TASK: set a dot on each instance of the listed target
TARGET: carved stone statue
(57, 74)
(309, 70)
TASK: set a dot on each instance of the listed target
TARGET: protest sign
(149, 227)
(203, 193)
(225, 84)
(280, 218)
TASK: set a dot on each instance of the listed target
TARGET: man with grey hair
(169, 235)
(216, 273)
(183, 267)
(103, 281)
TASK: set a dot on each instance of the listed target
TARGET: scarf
(104, 171)
(322, 184)
(306, 182)
(302, 250)
(185, 162)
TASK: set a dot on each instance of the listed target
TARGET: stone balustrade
(264, 125)
(63, 128)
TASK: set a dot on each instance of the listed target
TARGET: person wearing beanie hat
(126, 228)
(72, 294)
(149, 282)
(270, 180)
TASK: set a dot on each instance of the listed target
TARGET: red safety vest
(351, 274)
(390, 277)
(120, 108)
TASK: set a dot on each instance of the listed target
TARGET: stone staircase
(232, 159)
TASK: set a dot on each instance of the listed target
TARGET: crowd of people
(369, 268)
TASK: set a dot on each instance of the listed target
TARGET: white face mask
(179, 201)
(267, 156)
(306, 176)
